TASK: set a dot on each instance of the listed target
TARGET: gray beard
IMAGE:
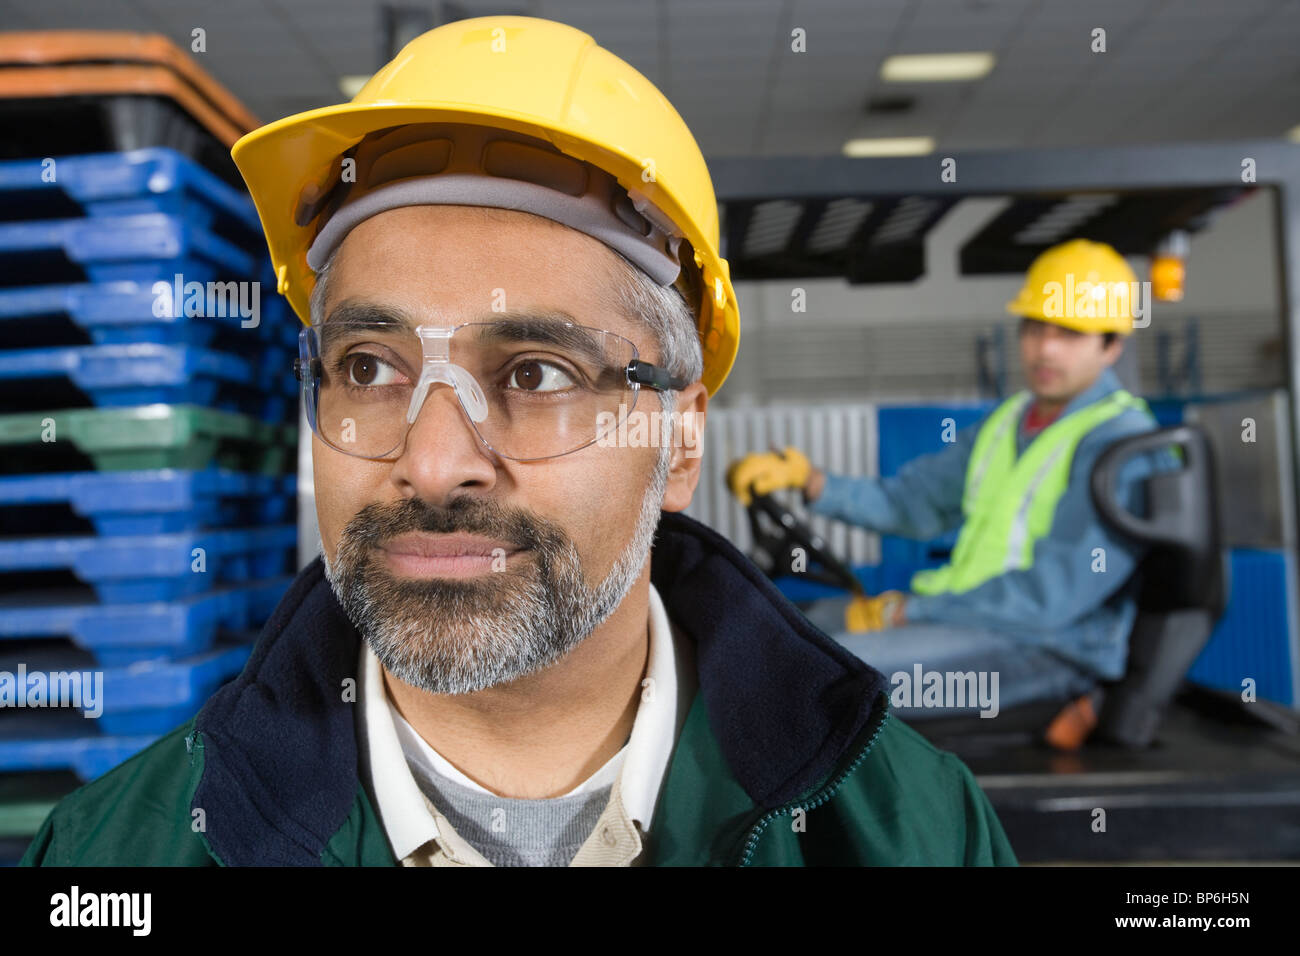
(460, 636)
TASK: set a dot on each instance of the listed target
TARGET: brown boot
(1072, 725)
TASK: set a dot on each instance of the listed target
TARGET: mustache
(377, 523)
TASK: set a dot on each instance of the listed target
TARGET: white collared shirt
(392, 752)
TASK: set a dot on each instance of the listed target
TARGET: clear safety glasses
(531, 388)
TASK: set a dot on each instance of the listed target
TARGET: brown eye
(533, 375)
(528, 375)
(365, 369)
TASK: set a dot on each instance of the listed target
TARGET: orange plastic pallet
(71, 47)
(51, 81)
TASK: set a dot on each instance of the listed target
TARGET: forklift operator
(1038, 590)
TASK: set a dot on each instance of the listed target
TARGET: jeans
(1007, 673)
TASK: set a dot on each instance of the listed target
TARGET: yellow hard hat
(533, 78)
(1082, 285)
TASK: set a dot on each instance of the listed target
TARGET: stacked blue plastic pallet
(132, 279)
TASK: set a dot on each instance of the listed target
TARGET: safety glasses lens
(547, 388)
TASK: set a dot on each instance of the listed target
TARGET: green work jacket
(788, 756)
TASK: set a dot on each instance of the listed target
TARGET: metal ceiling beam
(1003, 172)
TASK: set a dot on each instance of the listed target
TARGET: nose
(442, 451)
(1052, 341)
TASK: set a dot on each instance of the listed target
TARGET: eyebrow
(353, 316)
(551, 326)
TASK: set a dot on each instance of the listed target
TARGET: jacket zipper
(880, 714)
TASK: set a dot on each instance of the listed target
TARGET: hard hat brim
(1077, 324)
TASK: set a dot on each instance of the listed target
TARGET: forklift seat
(1182, 585)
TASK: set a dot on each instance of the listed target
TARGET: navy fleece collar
(280, 755)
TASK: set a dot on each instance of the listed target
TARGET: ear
(688, 445)
(1111, 353)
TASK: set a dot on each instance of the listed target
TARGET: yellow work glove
(765, 472)
(873, 613)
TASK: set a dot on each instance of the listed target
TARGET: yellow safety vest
(1009, 502)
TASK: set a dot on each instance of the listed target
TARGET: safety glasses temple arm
(652, 376)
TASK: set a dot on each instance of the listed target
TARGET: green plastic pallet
(153, 436)
(27, 798)
(24, 819)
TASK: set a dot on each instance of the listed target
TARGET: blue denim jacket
(1060, 602)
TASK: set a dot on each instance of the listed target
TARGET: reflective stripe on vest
(989, 442)
(1009, 502)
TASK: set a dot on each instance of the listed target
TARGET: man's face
(573, 531)
(1059, 363)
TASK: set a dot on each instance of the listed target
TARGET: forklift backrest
(1184, 585)
(1184, 567)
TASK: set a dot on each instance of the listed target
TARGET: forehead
(448, 265)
